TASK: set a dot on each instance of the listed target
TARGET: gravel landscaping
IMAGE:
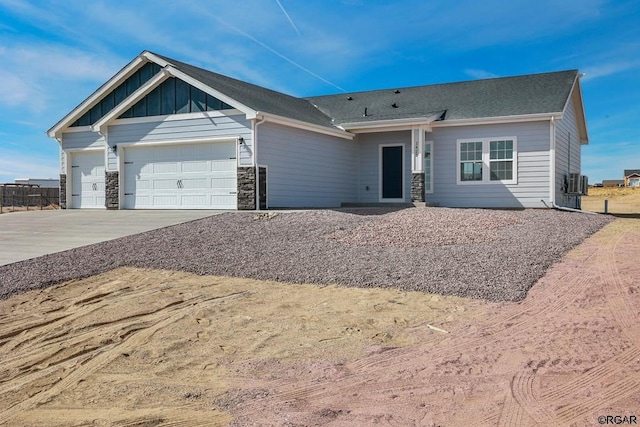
(490, 254)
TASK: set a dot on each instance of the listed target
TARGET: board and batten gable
(181, 129)
(568, 150)
(306, 169)
(369, 163)
(533, 164)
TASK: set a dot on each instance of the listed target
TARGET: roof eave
(536, 117)
(390, 124)
(299, 124)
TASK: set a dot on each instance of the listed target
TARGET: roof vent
(394, 105)
(396, 91)
(365, 112)
(349, 98)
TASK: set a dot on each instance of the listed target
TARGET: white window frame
(430, 190)
(486, 161)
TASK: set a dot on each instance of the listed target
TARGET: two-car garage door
(189, 176)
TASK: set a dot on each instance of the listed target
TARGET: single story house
(168, 135)
(632, 177)
(613, 182)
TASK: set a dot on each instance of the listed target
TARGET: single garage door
(189, 176)
(87, 179)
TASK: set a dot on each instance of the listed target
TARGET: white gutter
(272, 118)
(500, 119)
(405, 123)
(255, 159)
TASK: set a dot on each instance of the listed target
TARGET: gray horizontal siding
(533, 167)
(182, 130)
(306, 169)
(568, 149)
(84, 139)
(369, 163)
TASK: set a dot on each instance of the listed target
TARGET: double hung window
(487, 160)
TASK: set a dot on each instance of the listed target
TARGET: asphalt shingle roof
(497, 97)
(256, 97)
(507, 96)
(628, 172)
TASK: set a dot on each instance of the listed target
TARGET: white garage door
(190, 176)
(87, 179)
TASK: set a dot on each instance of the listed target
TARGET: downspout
(562, 208)
(255, 157)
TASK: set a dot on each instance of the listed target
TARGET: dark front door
(392, 172)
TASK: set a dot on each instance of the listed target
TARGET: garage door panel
(194, 166)
(194, 183)
(223, 166)
(224, 184)
(193, 200)
(225, 202)
(165, 184)
(165, 201)
(165, 167)
(190, 176)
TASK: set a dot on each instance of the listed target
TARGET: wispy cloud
(15, 165)
(288, 17)
(275, 52)
(480, 74)
(602, 70)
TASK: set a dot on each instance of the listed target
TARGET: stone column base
(417, 187)
(62, 195)
(112, 190)
(246, 188)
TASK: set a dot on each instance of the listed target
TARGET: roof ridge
(473, 81)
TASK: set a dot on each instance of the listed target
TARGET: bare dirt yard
(621, 200)
(133, 346)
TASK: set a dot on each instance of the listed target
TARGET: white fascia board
(500, 119)
(249, 112)
(577, 87)
(154, 58)
(298, 124)
(389, 125)
(130, 100)
(92, 100)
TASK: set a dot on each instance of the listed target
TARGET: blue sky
(53, 54)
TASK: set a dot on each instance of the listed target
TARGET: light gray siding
(369, 163)
(306, 169)
(182, 130)
(533, 167)
(568, 150)
(83, 139)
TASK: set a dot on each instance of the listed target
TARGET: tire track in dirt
(625, 314)
(528, 313)
(101, 357)
(566, 396)
(559, 403)
(134, 417)
(512, 414)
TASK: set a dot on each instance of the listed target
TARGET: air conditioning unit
(584, 183)
(573, 183)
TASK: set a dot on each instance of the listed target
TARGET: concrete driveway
(25, 235)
